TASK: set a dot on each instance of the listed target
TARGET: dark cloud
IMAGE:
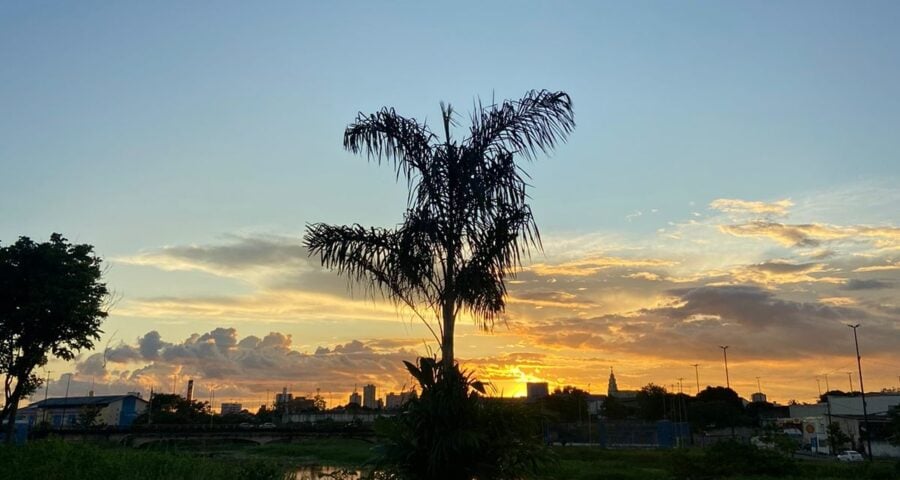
(866, 284)
(241, 254)
(248, 365)
(753, 320)
(150, 345)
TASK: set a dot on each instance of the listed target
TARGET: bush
(52, 460)
(451, 432)
(726, 459)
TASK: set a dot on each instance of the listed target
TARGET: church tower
(613, 389)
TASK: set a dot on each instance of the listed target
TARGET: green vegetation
(52, 303)
(52, 460)
(452, 432)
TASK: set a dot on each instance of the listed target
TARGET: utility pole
(46, 391)
(697, 374)
(758, 387)
(850, 377)
(65, 402)
(827, 387)
(862, 391)
(819, 386)
(725, 353)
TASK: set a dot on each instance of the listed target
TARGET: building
(111, 410)
(231, 408)
(369, 398)
(355, 399)
(846, 411)
(395, 401)
(536, 390)
(283, 398)
(613, 388)
(758, 397)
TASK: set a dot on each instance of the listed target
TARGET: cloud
(783, 272)
(244, 367)
(866, 284)
(755, 320)
(813, 234)
(593, 265)
(241, 256)
(878, 268)
(730, 205)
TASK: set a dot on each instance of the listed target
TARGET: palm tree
(467, 224)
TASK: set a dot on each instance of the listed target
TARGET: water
(324, 472)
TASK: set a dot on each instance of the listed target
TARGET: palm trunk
(447, 340)
(449, 310)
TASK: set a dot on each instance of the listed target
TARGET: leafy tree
(654, 402)
(836, 437)
(569, 404)
(172, 408)
(467, 223)
(52, 303)
(614, 409)
(89, 416)
(717, 407)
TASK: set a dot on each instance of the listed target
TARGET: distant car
(267, 425)
(850, 456)
(245, 425)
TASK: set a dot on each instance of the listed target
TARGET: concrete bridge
(139, 438)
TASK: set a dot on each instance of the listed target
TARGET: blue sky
(136, 126)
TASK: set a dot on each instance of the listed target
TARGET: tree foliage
(52, 302)
(717, 407)
(567, 404)
(467, 223)
(452, 432)
(172, 408)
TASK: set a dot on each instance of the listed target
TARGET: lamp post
(725, 354)
(862, 391)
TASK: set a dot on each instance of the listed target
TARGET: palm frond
(385, 135)
(535, 123)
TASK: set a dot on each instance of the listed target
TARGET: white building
(394, 401)
(231, 408)
(369, 398)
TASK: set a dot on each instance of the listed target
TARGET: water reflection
(326, 473)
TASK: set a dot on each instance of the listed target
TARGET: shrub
(726, 459)
(452, 432)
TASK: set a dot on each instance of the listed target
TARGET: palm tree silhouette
(467, 224)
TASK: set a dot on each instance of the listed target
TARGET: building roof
(98, 400)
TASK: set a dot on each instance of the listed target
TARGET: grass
(585, 463)
(57, 460)
(51, 460)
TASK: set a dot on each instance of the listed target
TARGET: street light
(862, 391)
(725, 353)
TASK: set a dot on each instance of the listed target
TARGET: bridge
(142, 436)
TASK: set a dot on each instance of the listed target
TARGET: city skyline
(732, 180)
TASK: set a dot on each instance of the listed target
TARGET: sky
(732, 180)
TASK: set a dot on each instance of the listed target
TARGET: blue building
(111, 410)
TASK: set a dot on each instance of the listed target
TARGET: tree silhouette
(467, 224)
(52, 302)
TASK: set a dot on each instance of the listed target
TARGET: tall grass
(53, 459)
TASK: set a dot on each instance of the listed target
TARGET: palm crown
(467, 224)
